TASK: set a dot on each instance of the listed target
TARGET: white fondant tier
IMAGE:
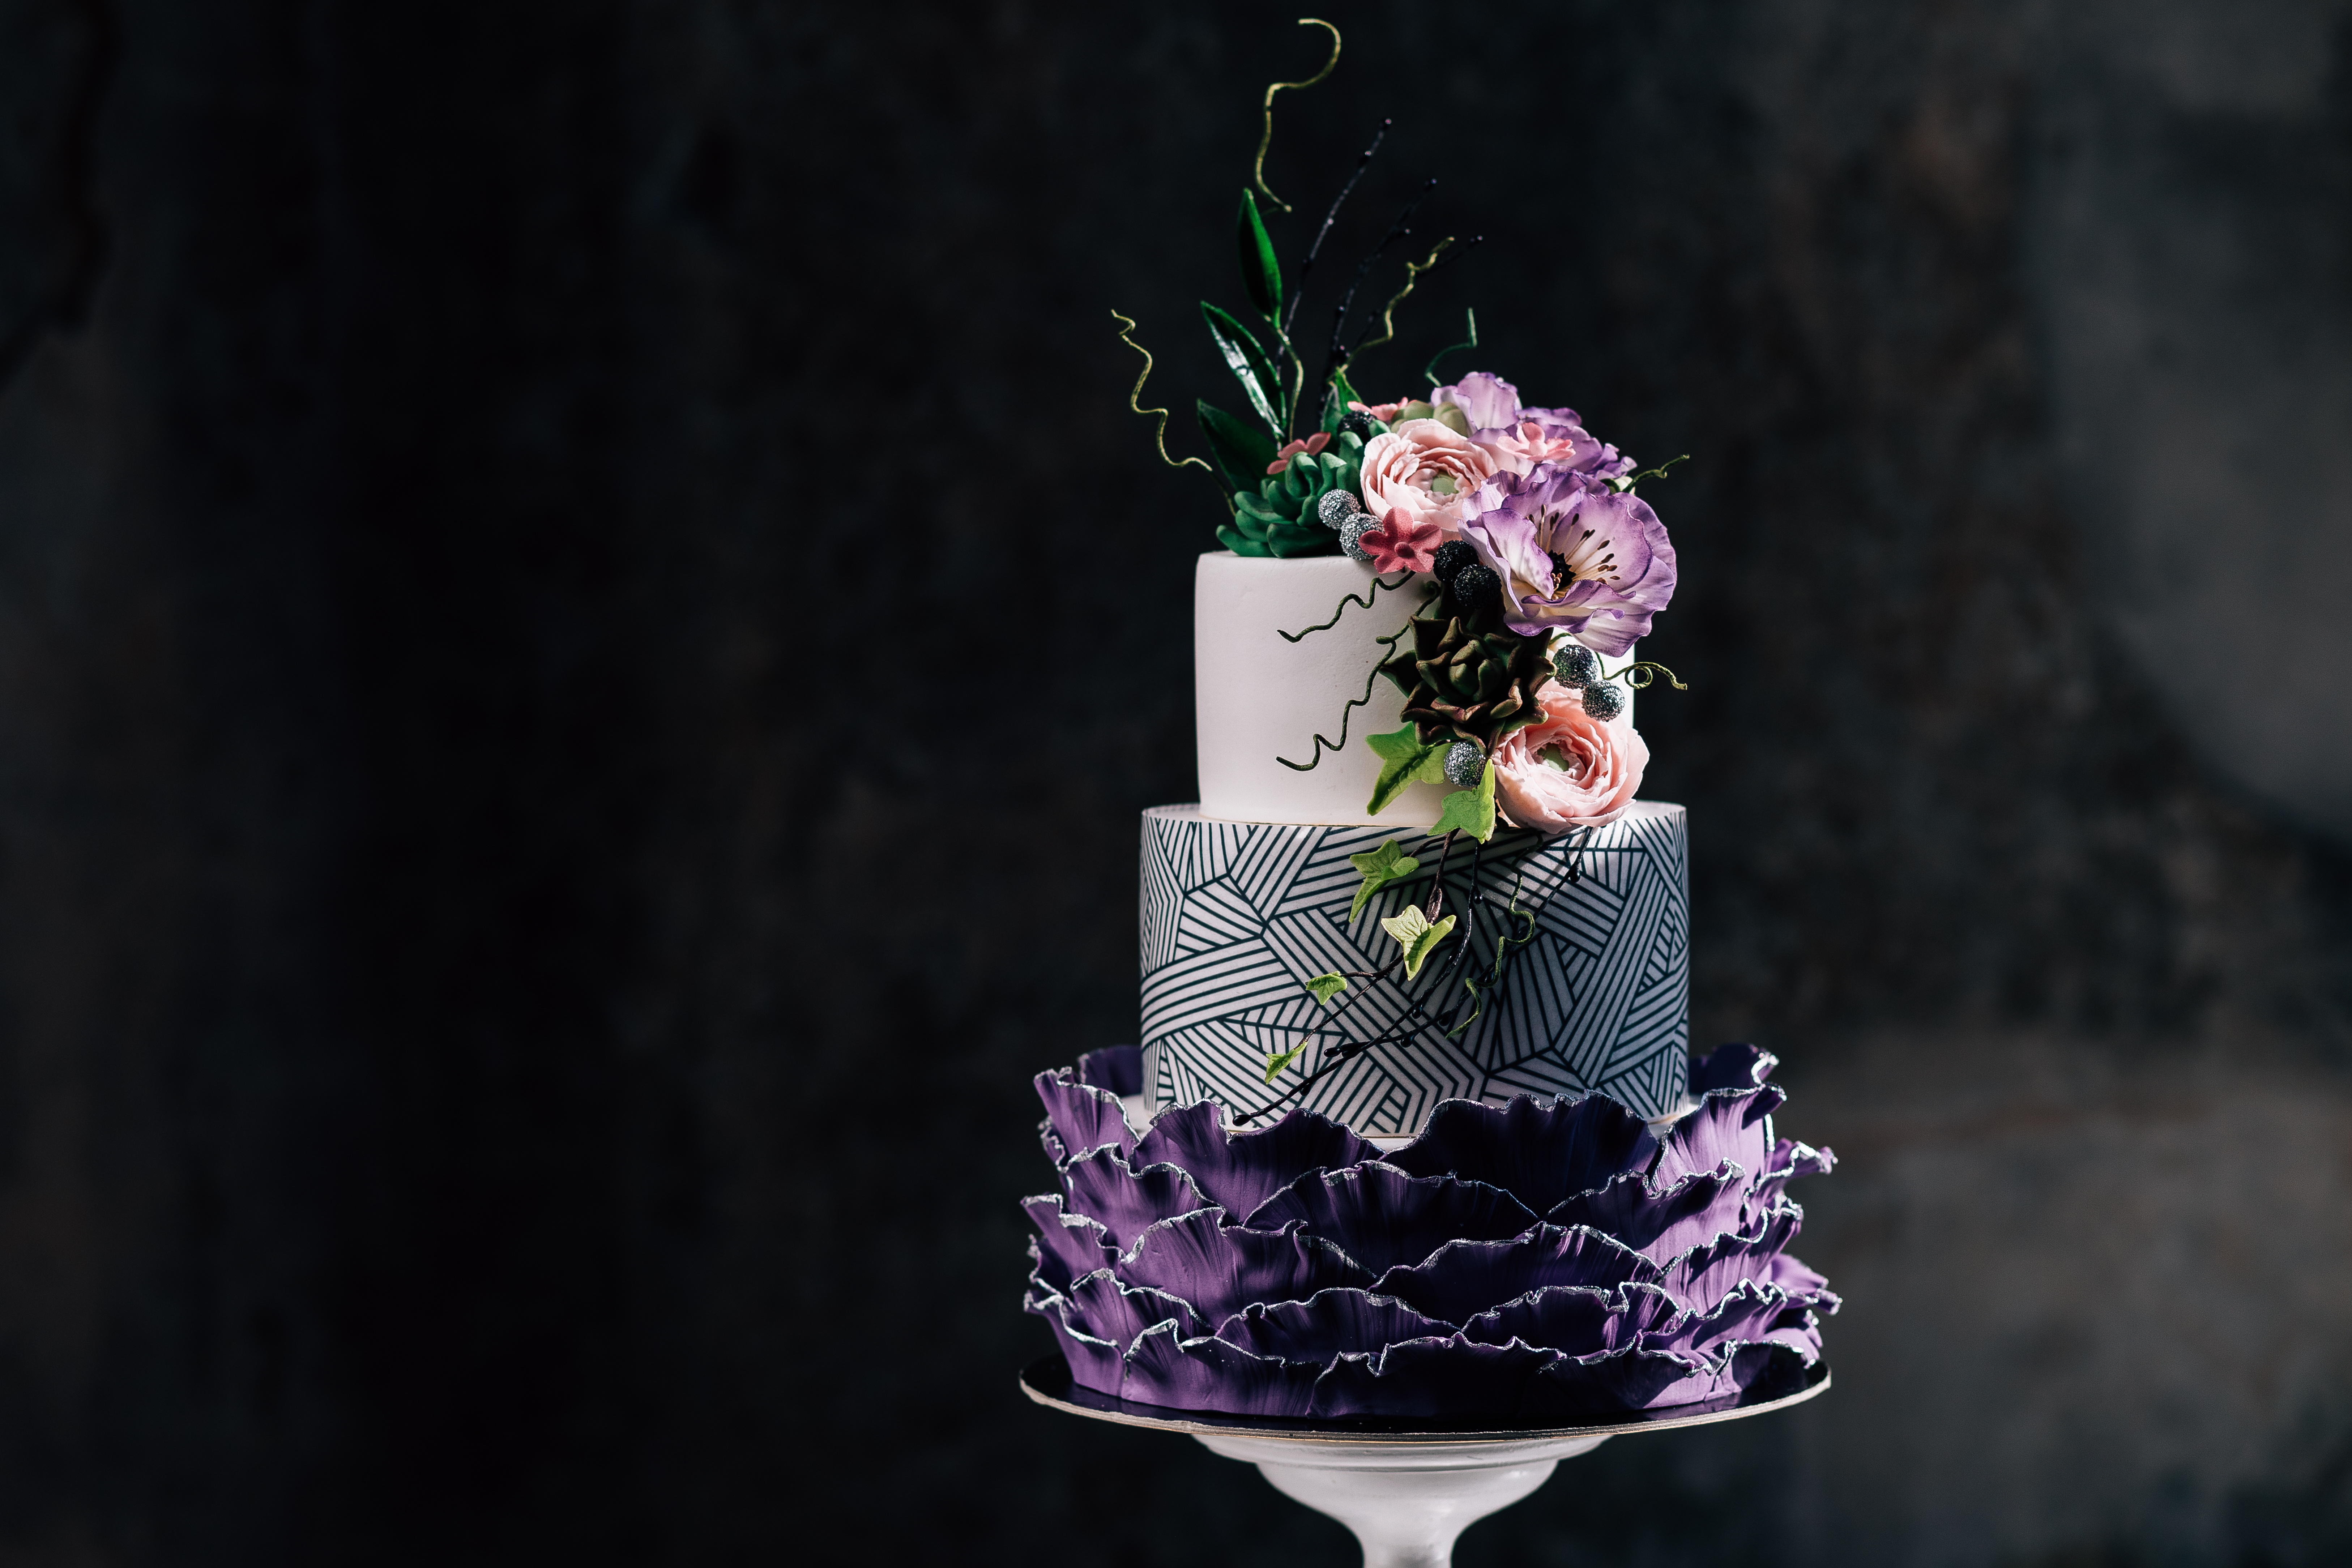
(1259, 696)
(1238, 917)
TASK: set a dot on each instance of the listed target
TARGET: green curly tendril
(1257, 169)
(1135, 399)
(1346, 714)
(1363, 599)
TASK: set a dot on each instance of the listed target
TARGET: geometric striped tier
(1594, 994)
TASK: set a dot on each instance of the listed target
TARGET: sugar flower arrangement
(1521, 531)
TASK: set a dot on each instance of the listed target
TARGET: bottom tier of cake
(1544, 1258)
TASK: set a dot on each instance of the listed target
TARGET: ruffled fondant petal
(1109, 1311)
(1068, 1246)
(1080, 1118)
(1706, 1274)
(1464, 1278)
(1736, 1066)
(1659, 1224)
(1163, 1368)
(1381, 1218)
(1239, 1171)
(1118, 1069)
(1575, 1320)
(1538, 1150)
(1611, 1382)
(1328, 1324)
(1729, 1124)
(1095, 1363)
(1219, 1269)
(1432, 1377)
(1128, 1201)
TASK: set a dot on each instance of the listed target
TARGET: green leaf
(1249, 364)
(1416, 936)
(1278, 1061)
(1472, 811)
(1380, 866)
(1323, 987)
(1260, 274)
(1407, 761)
(1342, 394)
(1241, 452)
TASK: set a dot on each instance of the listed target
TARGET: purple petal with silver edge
(1737, 1066)
(1102, 1307)
(1221, 1268)
(1119, 1068)
(1068, 1246)
(1657, 1224)
(1432, 1378)
(1095, 1364)
(1080, 1118)
(1128, 1202)
(1538, 1150)
(1578, 1321)
(1381, 1218)
(1745, 1315)
(1617, 1380)
(1326, 1324)
(1734, 1124)
(1239, 1171)
(1464, 1278)
(1215, 1374)
(1706, 1274)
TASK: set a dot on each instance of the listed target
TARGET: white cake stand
(1406, 1491)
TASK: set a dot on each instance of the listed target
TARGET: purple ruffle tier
(1543, 1259)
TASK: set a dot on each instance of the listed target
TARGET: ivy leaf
(1380, 866)
(1278, 1061)
(1406, 761)
(1416, 936)
(1240, 452)
(1323, 987)
(1471, 811)
(1248, 363)
(1261, 276)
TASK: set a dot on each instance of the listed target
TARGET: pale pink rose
(1567, 769)
(1429, 470)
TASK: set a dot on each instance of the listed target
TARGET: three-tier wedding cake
(1413, 1129)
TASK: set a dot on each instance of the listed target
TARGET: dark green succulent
(1279, 517)
(1469, 676)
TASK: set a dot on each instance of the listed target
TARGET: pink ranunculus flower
(1567, 769)
(1428, 470)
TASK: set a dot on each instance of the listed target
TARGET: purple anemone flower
(1543, 1259)
(1574, 555)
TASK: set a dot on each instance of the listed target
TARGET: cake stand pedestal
(1407, 1490)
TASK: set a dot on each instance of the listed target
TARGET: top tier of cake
(1261, 699)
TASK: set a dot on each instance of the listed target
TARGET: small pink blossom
(1518, 448)
(1312, 445)
(1430, 470)
(1567, 769)
(1384, 412)
(1397, 543)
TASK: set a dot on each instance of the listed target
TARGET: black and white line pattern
(1237, 916)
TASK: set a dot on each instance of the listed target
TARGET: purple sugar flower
(1574, 555)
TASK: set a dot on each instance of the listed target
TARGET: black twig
(1298, 285)
(1336, 356)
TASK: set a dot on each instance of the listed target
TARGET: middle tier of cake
(1589, 933)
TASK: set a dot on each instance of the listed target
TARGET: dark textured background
(583, 627)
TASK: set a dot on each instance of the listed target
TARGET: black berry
(1452, 556)
(1474, 588)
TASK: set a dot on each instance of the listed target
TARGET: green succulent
(1280, 519)
(1469, 676)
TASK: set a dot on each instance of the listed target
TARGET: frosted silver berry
(1576, 665)
(1337, 507)
(1350, 531)
(1466, 764)
(1604, 699)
